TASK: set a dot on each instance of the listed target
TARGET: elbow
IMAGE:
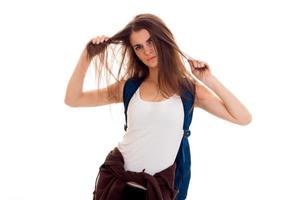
(73, 100)
(70, 103)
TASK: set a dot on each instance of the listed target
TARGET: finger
(103, 38)
(196, 64)
(99, 39)
(199, 64)
(203, 64)
(106, 38)
(191, 63)
(95, 40)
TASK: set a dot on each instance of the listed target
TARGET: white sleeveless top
(154, 133)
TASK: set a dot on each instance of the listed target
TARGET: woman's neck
(153, 75)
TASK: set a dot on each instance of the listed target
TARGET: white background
(51, 151)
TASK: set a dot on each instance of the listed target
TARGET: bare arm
(224, 104)
(75, 97)
(219, 101)
(75, 85)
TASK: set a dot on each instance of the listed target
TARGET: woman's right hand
(96, 45)
(99, 39)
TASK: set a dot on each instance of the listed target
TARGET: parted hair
(173, 77)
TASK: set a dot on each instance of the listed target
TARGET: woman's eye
(137, 48)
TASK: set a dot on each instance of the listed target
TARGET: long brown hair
(172, 75)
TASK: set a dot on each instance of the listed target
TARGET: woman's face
(144, 47)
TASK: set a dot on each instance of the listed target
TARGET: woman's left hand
(200, 69)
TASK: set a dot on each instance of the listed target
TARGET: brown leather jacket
(112, 178)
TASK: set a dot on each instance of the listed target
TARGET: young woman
(142, 166)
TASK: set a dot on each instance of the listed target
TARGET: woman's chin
(152, 66)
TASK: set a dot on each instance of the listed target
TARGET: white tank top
(154, 134)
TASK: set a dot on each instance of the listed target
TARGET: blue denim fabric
(183, 169)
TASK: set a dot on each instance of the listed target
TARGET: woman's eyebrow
(135, 45)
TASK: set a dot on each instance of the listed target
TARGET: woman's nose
(148, 50)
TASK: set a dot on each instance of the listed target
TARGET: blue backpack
(183, 158)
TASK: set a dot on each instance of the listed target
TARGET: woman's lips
(151, 58)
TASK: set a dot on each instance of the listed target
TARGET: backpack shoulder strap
(188, 102)
(183, 158)
(130, 86)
